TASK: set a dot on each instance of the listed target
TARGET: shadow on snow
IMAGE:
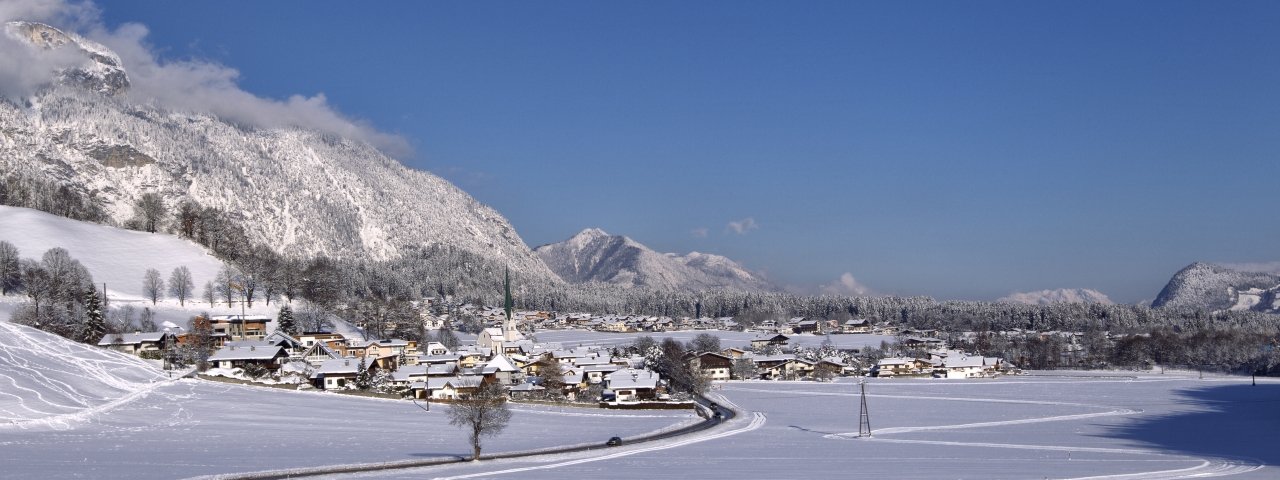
(1225, 420)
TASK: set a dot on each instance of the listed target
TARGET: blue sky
(958, 150)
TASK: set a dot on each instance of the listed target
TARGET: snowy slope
(1061, 295)
(298, 191)
(113, 256)
(595, 256)
(47, 380)
(1216, 287)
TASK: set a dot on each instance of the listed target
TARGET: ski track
(1208, 467)
(64, 403)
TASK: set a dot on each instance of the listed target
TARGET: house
(240, 327)
(631, 385)
(233, 356)
(327, 338)
(502, 370)
(895, 366)
(779, 340)
(807, 326)
(712, 365)
(594, 374)
(452, 388)
(435, 348)
(859, 325)
(922, 342)
(776, 367)
(138, 342)
(318, 353)
(734, 353)
(335, 374)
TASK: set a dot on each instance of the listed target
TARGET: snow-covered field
(1140, 427)
(72, 411)
(119, 258)
(571, 338)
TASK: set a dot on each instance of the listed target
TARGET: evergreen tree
(285, 322)
(363, 378)
(94, 325)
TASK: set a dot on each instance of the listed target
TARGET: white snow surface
(115, 256)
(1083, 425)
(47, 381)
(1060, 295)
(73, 411)
(593, 255)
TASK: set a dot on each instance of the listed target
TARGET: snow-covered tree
(285, 322)
(95, 325)
(208, 294)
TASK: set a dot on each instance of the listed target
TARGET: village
(246, 347)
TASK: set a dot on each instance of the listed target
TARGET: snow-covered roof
(239, 318)
(442, 369)
(633, 378)
(230, 353)
(135, 338)
(896, 361)
(526, 387)
(502, 364)
(337, 366)
(461, 381)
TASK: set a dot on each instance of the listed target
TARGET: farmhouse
(137, 342)
(233, 356)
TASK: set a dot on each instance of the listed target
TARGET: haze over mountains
(596, 256)
(1061, 295)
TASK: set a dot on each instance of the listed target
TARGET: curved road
(720, 414)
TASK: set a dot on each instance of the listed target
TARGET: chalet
(734, 353)
(895, 366)
(712, 365)
(501, 369)
(138, 342)
(858, 325)
(922, 342)
(779, 340)
(435, 348)
(630, 385)
(318, 353)
(451, 388)
(266, 356)
(776, 367)
(594, 374)
(240, 327)
(335, 374)
(807, 326)
(333, 340)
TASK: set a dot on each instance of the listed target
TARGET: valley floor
(1081, 425)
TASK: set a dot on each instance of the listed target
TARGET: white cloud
(741, 227)
(700, 232)
(846, 285)
(187, 85)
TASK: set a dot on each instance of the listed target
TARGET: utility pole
(864, 416)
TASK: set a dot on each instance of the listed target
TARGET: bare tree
(147, 321)
(153, 285)
(485, 413)
(208, 294)
(180, 284)
(149, 211)
(704, 342)
(225, 284)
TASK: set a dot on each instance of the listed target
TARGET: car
(614, 442)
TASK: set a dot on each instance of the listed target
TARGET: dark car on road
(614, 442)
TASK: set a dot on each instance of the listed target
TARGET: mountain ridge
(594, 255)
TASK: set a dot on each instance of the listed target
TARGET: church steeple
(509, 331)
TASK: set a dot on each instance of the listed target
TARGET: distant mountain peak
(80, 61)
(1060, 295)
(593, 255)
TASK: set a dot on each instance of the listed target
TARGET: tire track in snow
(758, 420)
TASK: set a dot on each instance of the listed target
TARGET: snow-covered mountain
(595, 256)
(1061, 295)
(1216, 287)
(296, 190)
